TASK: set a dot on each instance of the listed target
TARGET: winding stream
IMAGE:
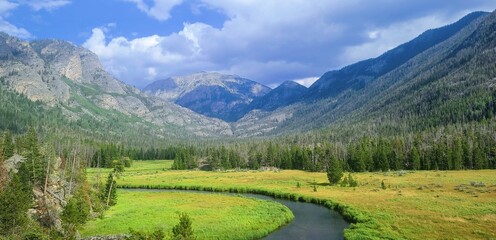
(311, 222)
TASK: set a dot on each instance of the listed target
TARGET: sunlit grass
(215, 216)
(415, 205)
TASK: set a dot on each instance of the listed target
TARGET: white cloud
(160, 9)
(273, 41)
(142, 59)
(13, 30)
(5, 26)
(385, 39)
(307, 82)
(6, 6)
(48, 5)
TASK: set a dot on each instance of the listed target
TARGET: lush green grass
(215, 216)
(138, 167)
(415, 205)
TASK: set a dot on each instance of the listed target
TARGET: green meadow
(409, 205)
(214, 216)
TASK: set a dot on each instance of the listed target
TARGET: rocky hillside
(449, 80)
(285, 94)
(63, 75)
(211, 94)
(443, 76)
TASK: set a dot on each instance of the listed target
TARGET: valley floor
(412, 205)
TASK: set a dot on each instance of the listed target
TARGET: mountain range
(211, 94)
(445, 75)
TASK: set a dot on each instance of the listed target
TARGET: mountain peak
(361, 74)
(291, 84)
(212, 94)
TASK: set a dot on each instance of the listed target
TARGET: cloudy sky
(269, 41)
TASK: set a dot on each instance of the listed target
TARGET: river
(311, 222)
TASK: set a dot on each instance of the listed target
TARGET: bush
(183, 230)
(135, 235)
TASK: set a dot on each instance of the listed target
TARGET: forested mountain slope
(212, 94)
(359, 75)
(71, 78)
(450, 82)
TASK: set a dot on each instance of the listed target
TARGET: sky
(268, 41)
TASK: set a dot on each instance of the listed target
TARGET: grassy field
(414, 205)
(214, 216)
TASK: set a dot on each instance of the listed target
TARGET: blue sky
(269, 41)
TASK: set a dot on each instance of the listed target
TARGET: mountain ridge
(62, 74)
(212, 94)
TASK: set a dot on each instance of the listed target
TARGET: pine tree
(15, 200)
(415, 159)
(467, 155)
(479, 158)
(77, 209)
(457, 157)
(183, 230)
(34, 161)
(8, 145)
(334, 171)
(109, 194)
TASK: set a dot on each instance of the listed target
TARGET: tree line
(456, 147)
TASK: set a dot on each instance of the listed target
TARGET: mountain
(359, 75)
(285, 94)
(444, 76)
(71, 78)
(211, 94)
(449, 82)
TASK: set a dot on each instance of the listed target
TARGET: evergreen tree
(457, 157)
(109, 194)
(479, 158)
(77, 210)
(467, 155)
(183, 230)
(334, 171)
(8, 145)
(15, 200)
(415, 159)
(398, 155)
(34, 160)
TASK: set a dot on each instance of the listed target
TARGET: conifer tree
(184, 229)
(8, 145)
(78, 207)
(479, 158)
(34, 161)
(415, 159)
(109, 194)
(15, 200)
(457, 155)
(334, 171)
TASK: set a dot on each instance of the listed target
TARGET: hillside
(449, 82)
(211, 94)
(444, 76)
(71, 78)
(285, 94)
(359, 75)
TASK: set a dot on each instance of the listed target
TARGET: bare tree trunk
(72, 171)
(110, 190)
(46, 177)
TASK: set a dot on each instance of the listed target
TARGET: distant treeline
(471, 146)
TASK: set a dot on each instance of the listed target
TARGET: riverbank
(413, 205)
(214, 216)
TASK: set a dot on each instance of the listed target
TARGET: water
(311, 222)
